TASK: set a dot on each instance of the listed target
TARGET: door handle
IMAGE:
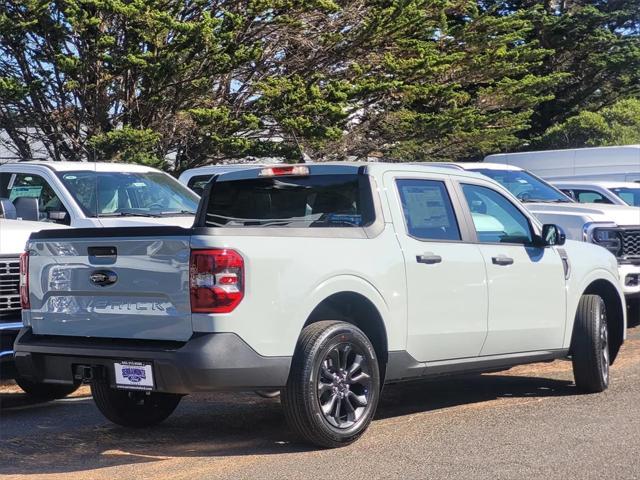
(502, 260)
(428, 258)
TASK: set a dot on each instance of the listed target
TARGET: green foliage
(595, 54)
(444, 81)
(615, 125)
(416, 80)
(90, 75)
(128, 145)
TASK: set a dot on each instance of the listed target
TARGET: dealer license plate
(134, 375)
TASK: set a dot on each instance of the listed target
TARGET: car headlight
(605, 236)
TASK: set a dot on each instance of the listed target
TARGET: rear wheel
(334, 385)
(131, 408)
(45, 391)
(590, 345)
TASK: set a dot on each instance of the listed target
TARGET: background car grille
(631, 243)
(9, 287)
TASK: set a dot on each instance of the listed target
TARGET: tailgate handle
(102, 255)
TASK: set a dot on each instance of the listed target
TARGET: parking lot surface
(526, 422)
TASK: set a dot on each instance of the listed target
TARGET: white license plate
(134, 375)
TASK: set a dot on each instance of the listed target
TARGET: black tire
(334, 368)
(45, 391)
(590, 345)
(132, 408)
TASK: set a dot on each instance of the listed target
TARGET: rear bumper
(207, 362)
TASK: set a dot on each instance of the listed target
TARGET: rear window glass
(342, 200)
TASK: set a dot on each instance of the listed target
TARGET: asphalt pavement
(528, 422)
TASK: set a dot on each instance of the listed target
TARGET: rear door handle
(502, 260)
(428, 258)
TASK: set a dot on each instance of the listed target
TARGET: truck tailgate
(111, 283)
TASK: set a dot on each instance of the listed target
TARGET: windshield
(525, 186)
(112, 194)
(303, 202)
(629, 195)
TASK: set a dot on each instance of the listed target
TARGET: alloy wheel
(344, 385)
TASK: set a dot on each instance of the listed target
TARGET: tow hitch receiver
(88, 373)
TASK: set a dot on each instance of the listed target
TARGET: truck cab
(614, 227)
(83, 195)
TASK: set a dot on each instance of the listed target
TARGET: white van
(600, 163)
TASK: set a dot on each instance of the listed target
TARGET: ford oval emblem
(103, 278)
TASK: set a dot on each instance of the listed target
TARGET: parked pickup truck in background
(13, 238)
(323, 281)
(599, 191)
(82, 194)
(614, 227)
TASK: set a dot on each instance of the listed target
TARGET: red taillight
(24, 280)
(216, 280)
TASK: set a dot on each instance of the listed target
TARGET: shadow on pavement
(65, 436)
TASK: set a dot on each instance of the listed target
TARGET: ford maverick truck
(324, 281)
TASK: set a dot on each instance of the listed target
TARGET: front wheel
(45, 391)
(133, 408)
(590, 345)
(334, 384)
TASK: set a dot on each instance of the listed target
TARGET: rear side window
(427, 210)
(339, 200)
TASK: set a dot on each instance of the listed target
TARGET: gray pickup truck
(323, 281)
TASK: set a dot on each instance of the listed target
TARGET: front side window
(629, 195)
(26, 185)
(525, 186)
(427, 210)
(495, 218)
(338, 200)
(111, 194)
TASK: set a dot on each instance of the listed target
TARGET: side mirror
(58, 216)
(552, 235)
